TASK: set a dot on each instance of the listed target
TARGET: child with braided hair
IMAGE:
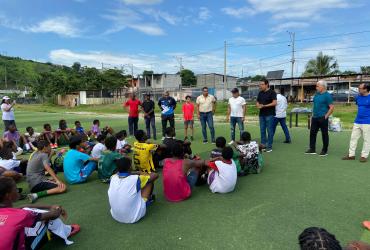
(315, 238)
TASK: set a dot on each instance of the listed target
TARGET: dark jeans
(150, 122)
(233, 122)
(207, 118)
(322, 124)
(132, 124)
(7, 123)
(266, 125)
(165, 118)
(283, 125)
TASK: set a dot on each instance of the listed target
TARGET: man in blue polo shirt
(167, 104)
(361, 125)
(322, 108)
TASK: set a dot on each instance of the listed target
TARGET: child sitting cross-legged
(180, 175)
(251, 156)
(49, 136)
(13, 135)
(38, 163)
(99, 147)
(107, 166)
(130, 193)
(26, 227)
(63, 133)
(217, 152)
(222, 173)
(78, 166)
(32, 137)
(143, 152)
(122, 145)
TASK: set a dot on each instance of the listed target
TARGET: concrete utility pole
(292, 45)
(225, 65)
(179, 60)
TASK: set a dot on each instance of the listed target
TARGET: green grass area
(345, 112)
(266, 211)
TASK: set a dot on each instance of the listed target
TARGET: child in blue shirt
(78, 166)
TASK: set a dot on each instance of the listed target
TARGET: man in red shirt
(188, 112)
(132, 106)
(14, 221)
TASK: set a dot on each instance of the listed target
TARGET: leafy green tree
(321, 65)
(188, 78)
(76, 67)
(365, 70)
(148, 72)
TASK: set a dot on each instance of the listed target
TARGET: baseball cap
(6, 98)
(235, 90)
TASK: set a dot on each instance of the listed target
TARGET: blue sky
(153, 34)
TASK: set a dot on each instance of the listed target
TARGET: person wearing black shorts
(38, 163)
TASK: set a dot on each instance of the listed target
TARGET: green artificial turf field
(266, 211)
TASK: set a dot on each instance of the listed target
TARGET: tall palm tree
(321, 65)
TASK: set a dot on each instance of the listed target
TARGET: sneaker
(348, 158)
(366, 224)
(310, 152)
(32, 198)
(363, 159)
(75, 229)
(55, 145)
(205, 142)
(323, 153)
(288, 141)
(163, 138)
(268, 150)
(231, 142)
(186, 138)
(213, 141)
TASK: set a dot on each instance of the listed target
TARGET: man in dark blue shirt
(322, 108)
(361, 125)
(167, 104)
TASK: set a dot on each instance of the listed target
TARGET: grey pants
(7, 123)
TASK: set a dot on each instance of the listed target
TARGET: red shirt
(175, 185)
(134, 107)
(12, 224)
(188, 111)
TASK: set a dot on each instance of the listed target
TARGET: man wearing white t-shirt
(280, 117)
(236, 113)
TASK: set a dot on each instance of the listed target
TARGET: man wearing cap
(8, 112)
(236, 113)
(149, 116)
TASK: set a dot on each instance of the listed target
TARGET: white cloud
(62, 25)
(287, 9)
(289, 25)
(162, 15)
(66, 26)
(126, 18)
(238, 12)
(204, 13)
(238, 29)
(141, 2)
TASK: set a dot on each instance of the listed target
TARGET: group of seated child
(130, 172)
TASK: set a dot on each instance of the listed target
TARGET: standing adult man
(361, 125)
(132, 106)
(236, 113)
(322, 108)
(149, 116)
(167, 104)
(206, 105)
(266, 102)
(280, 115)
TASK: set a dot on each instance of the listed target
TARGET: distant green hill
(18, 72)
